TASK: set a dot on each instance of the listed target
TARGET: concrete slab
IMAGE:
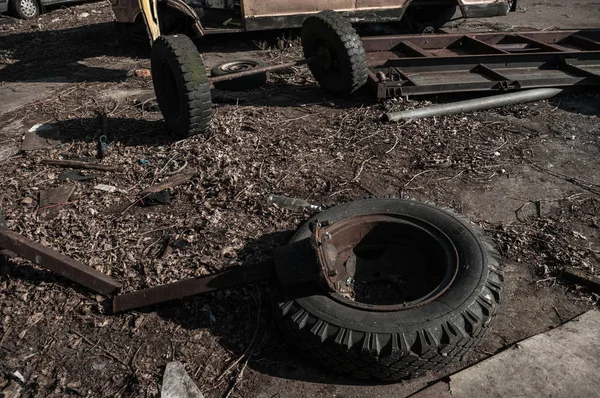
(563, 362)
(16, 95)
(177, 383)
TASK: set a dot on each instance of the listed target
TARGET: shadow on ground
(64, 53)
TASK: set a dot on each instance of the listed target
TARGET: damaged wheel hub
(384, 263)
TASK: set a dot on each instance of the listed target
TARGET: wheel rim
(238, 66)
(388, 263)
(28, 8)
(169, 89)
(328, 60)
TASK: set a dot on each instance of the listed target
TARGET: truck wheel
(403, 325)
(341, 68)
(240, 83)
(181, 85)
(26, 9)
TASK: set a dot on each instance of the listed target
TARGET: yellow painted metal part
(150, 13)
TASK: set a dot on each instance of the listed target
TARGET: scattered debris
(52, 200)
(82, 165)
(170, 182)
(74, 176)
(109, 188)
(143, 73)
(102, 143)
(27, 200)
(8, 151)
(19, 376)
(177, 383)
(156, 198)
(41, 136)
(44, 128)
(83, 15)
(582, 278)
(285, 202)
(12, 391)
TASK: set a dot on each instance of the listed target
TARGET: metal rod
(227, 279)
(59, 263)
(474, 104)
(270, 68)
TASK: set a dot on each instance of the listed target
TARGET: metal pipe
(474, 104)
(269, 68)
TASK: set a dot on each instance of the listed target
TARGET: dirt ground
(528, 175)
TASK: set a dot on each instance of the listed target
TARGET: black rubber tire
(241, 83)
(404, 343)
(348, 67)
(181, 85)
(32, 11)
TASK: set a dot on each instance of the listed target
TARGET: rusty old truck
(200, 17)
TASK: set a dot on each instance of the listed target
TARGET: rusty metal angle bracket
(59, 263)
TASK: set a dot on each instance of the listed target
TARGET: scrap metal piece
(478, 62)
(227, 279)
(59, 263)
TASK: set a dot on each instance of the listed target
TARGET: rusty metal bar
(584, 42)
(494, 39)
(481, 46)
(544, 46)
(227, 279)
(269, 68)
(487, 71)
(59, 263)
(412, 49)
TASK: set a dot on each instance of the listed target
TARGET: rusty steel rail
(59, 263)
(499, 61)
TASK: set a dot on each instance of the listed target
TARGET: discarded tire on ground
(342, 62)
(181, 85)
(240, 83)
(435, 290)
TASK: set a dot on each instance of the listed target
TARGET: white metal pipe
(474, 104)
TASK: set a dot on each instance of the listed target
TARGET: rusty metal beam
(227, 279)
(59, 263)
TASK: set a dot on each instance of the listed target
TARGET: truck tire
(181, 85)
(240, 83)
(395, 344)
(342, 65)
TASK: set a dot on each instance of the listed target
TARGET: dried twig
(104, 350)
(250, 347)
(75, 164)
(593, 188)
